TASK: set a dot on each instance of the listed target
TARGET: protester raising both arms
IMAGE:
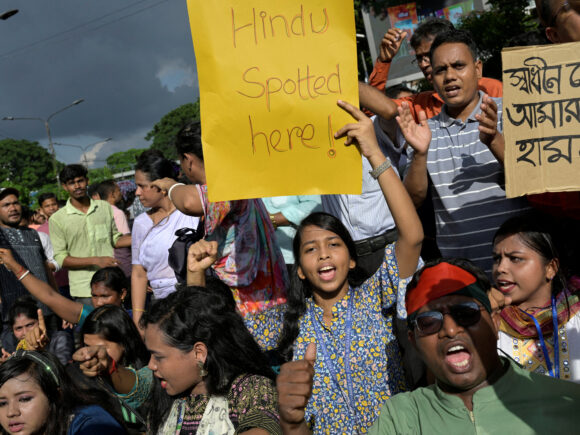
(541, 330)
(154, 232)
(215, 378)
(249, 259)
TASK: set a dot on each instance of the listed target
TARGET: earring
(202, 370)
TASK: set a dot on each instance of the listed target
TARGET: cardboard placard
(270, 74)
(541, 118)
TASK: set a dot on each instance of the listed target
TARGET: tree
(164, 132)
(99, 174)
(492, 29)
(27, 166)
(123, 160)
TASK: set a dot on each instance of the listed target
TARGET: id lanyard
(330, 363)
(555, 371)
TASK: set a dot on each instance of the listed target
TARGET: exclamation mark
(331, 152)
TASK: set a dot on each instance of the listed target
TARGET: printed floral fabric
(252, 403)
(375, 358)
(249, 259)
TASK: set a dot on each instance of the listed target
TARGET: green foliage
(164, 132)
(100, 174)
(492, 29)
(28, 167)
(123, 160)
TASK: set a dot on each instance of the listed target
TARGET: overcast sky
(132, 62)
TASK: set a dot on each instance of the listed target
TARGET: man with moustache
(83, 233)
(461, 152)
(27, 249)
(476, 391)
(454, 329)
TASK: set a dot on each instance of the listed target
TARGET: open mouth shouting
(457, 357)
(452, 91)
(505, 286)
(327, 272)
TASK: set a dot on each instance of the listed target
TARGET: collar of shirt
(71, 209)
(339, 307)
(447, 120)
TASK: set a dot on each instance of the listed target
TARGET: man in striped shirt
(461, 150)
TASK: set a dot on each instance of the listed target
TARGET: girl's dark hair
(111, 277)
(188, 140)
(24, 305)
(207, 315)
(300, 289)
(481, 278)
(533, 231)
(155, 165)
(114, 324)
(64, 396)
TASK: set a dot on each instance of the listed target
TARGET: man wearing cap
(476, 391)
(27, 249)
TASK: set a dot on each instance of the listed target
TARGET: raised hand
(391, 43)
(362, 132)
(37, 338)
(416, 135)
(487, 120)
(294, 385)
(201, 255)
(94, 360)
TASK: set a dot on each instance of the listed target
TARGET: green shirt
(520, 402)
(76, 234)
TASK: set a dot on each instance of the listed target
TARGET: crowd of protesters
(431, 303)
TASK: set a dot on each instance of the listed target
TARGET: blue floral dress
(348, 393)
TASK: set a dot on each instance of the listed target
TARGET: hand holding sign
(294, 385)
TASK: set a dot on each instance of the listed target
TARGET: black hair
(70, 172)
(112, 323)
(481, 278)
(455, 36)
(44, 196)
(154, 164)
(63, 394)
(533, 232)
(207, 315)
(394, 91)
(26, 213)
(112, 277)
(188, 140)
(546, 12)
(429, 29)
(106, 188)
(25, 306)
(300, 289)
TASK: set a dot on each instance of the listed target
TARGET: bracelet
(113, 367)
(273, 220)
(171, 188)
(375, 173)
(139, 310)
(23, 275)
(19, 271)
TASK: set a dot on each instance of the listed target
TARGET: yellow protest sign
(541, 118)
(270, 74)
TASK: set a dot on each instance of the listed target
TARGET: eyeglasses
(564, 7)
(420, 58)
(465, 314)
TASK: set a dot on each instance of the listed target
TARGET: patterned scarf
(519, 325)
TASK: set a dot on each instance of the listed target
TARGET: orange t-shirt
(429, 101)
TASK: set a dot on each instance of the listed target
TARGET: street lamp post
(85, 148)
(47, 127)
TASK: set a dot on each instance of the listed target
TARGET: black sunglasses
(465, 314)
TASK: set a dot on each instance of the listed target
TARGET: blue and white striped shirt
(468, 188)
